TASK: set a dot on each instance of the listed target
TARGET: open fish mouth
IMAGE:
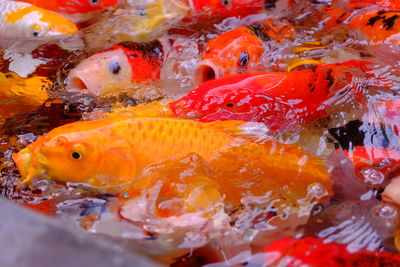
(75, 81)
(206, 71)
(30, 173)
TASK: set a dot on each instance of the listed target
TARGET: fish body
(238, 50)
(22, 22)
(378, 24)
(316, 252)
(20, 95)
(72, 6)
(118, 68)
(113, 151)
(278, 99)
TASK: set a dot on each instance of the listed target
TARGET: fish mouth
(29, 171)
(76, 81)
(206, 71)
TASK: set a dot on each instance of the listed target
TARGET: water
(169, 227)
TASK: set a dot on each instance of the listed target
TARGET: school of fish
(208, 132)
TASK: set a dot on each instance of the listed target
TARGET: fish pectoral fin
(26, 181)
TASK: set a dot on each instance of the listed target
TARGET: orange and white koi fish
(22, 22)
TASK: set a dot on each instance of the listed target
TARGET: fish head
(51, 25)
(85, 6)
(34, 23)
(235, 51)
(59, 157)
(227, 8)
(228, 98)
(80, 152)
(102, 73)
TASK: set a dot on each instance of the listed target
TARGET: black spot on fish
(389, 22)
(380, 13)
(330, 78)
(152, 50)
(260, 32)
(373, 20)
(312, 89)
(270, 4)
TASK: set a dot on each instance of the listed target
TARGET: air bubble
(372, 176)
(385, 211)
(316, 190)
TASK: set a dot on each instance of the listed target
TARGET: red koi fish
(314, 252)
(278, 99)
(118, 68)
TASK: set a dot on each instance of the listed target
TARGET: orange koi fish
(238, 50)
(278, 99)
(110, 152)
(21, 21)
(72, 6)
(316, 252)
(120, 67)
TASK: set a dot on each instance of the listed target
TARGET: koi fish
(21, 21)
(120, 67)
(21, 95)
(238, 50)
(109, 152)
(315, 252)
(72, 6)
(278, 99)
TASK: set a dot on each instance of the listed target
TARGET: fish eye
(94, 2)
(36, 33)
(244, 59)
(76, 155)
(229, 105)
(114, 67)
(225, 2)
